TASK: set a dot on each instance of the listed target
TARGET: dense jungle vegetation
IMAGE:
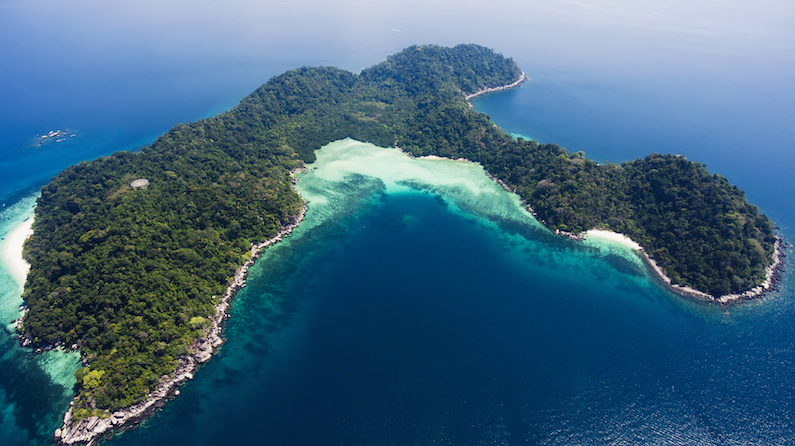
(130, 275)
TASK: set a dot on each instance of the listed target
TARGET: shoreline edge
(12, 250)
(772, 271)
(487, 90)
(90, 429)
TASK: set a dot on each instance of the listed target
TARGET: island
(135, 256)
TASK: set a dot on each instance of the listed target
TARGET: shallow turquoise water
(401, 316)
(34, 390)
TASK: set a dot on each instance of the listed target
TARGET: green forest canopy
(129, 275)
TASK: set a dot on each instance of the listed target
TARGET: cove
(418, 302)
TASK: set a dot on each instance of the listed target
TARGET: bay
(419, 304)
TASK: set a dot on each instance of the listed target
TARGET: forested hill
(130, 275)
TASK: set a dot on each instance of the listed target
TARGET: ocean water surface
(418, 303)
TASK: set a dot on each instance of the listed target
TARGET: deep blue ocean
(407, 316)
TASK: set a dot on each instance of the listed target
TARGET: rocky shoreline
(772, 279)
(487, 90)
(91, 430)
(772, 275)
(772, 272)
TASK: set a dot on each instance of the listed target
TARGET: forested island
(132, 275)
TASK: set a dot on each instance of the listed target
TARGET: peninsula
(136, 278)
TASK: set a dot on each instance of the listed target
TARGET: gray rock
(101, 427)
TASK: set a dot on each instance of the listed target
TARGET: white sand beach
(612, 237)
(12, 251)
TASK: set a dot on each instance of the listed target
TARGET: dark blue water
(741, 131)
(429, 332)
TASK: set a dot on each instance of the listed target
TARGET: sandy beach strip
(771, 271)
(12, 251)
(612, 237)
